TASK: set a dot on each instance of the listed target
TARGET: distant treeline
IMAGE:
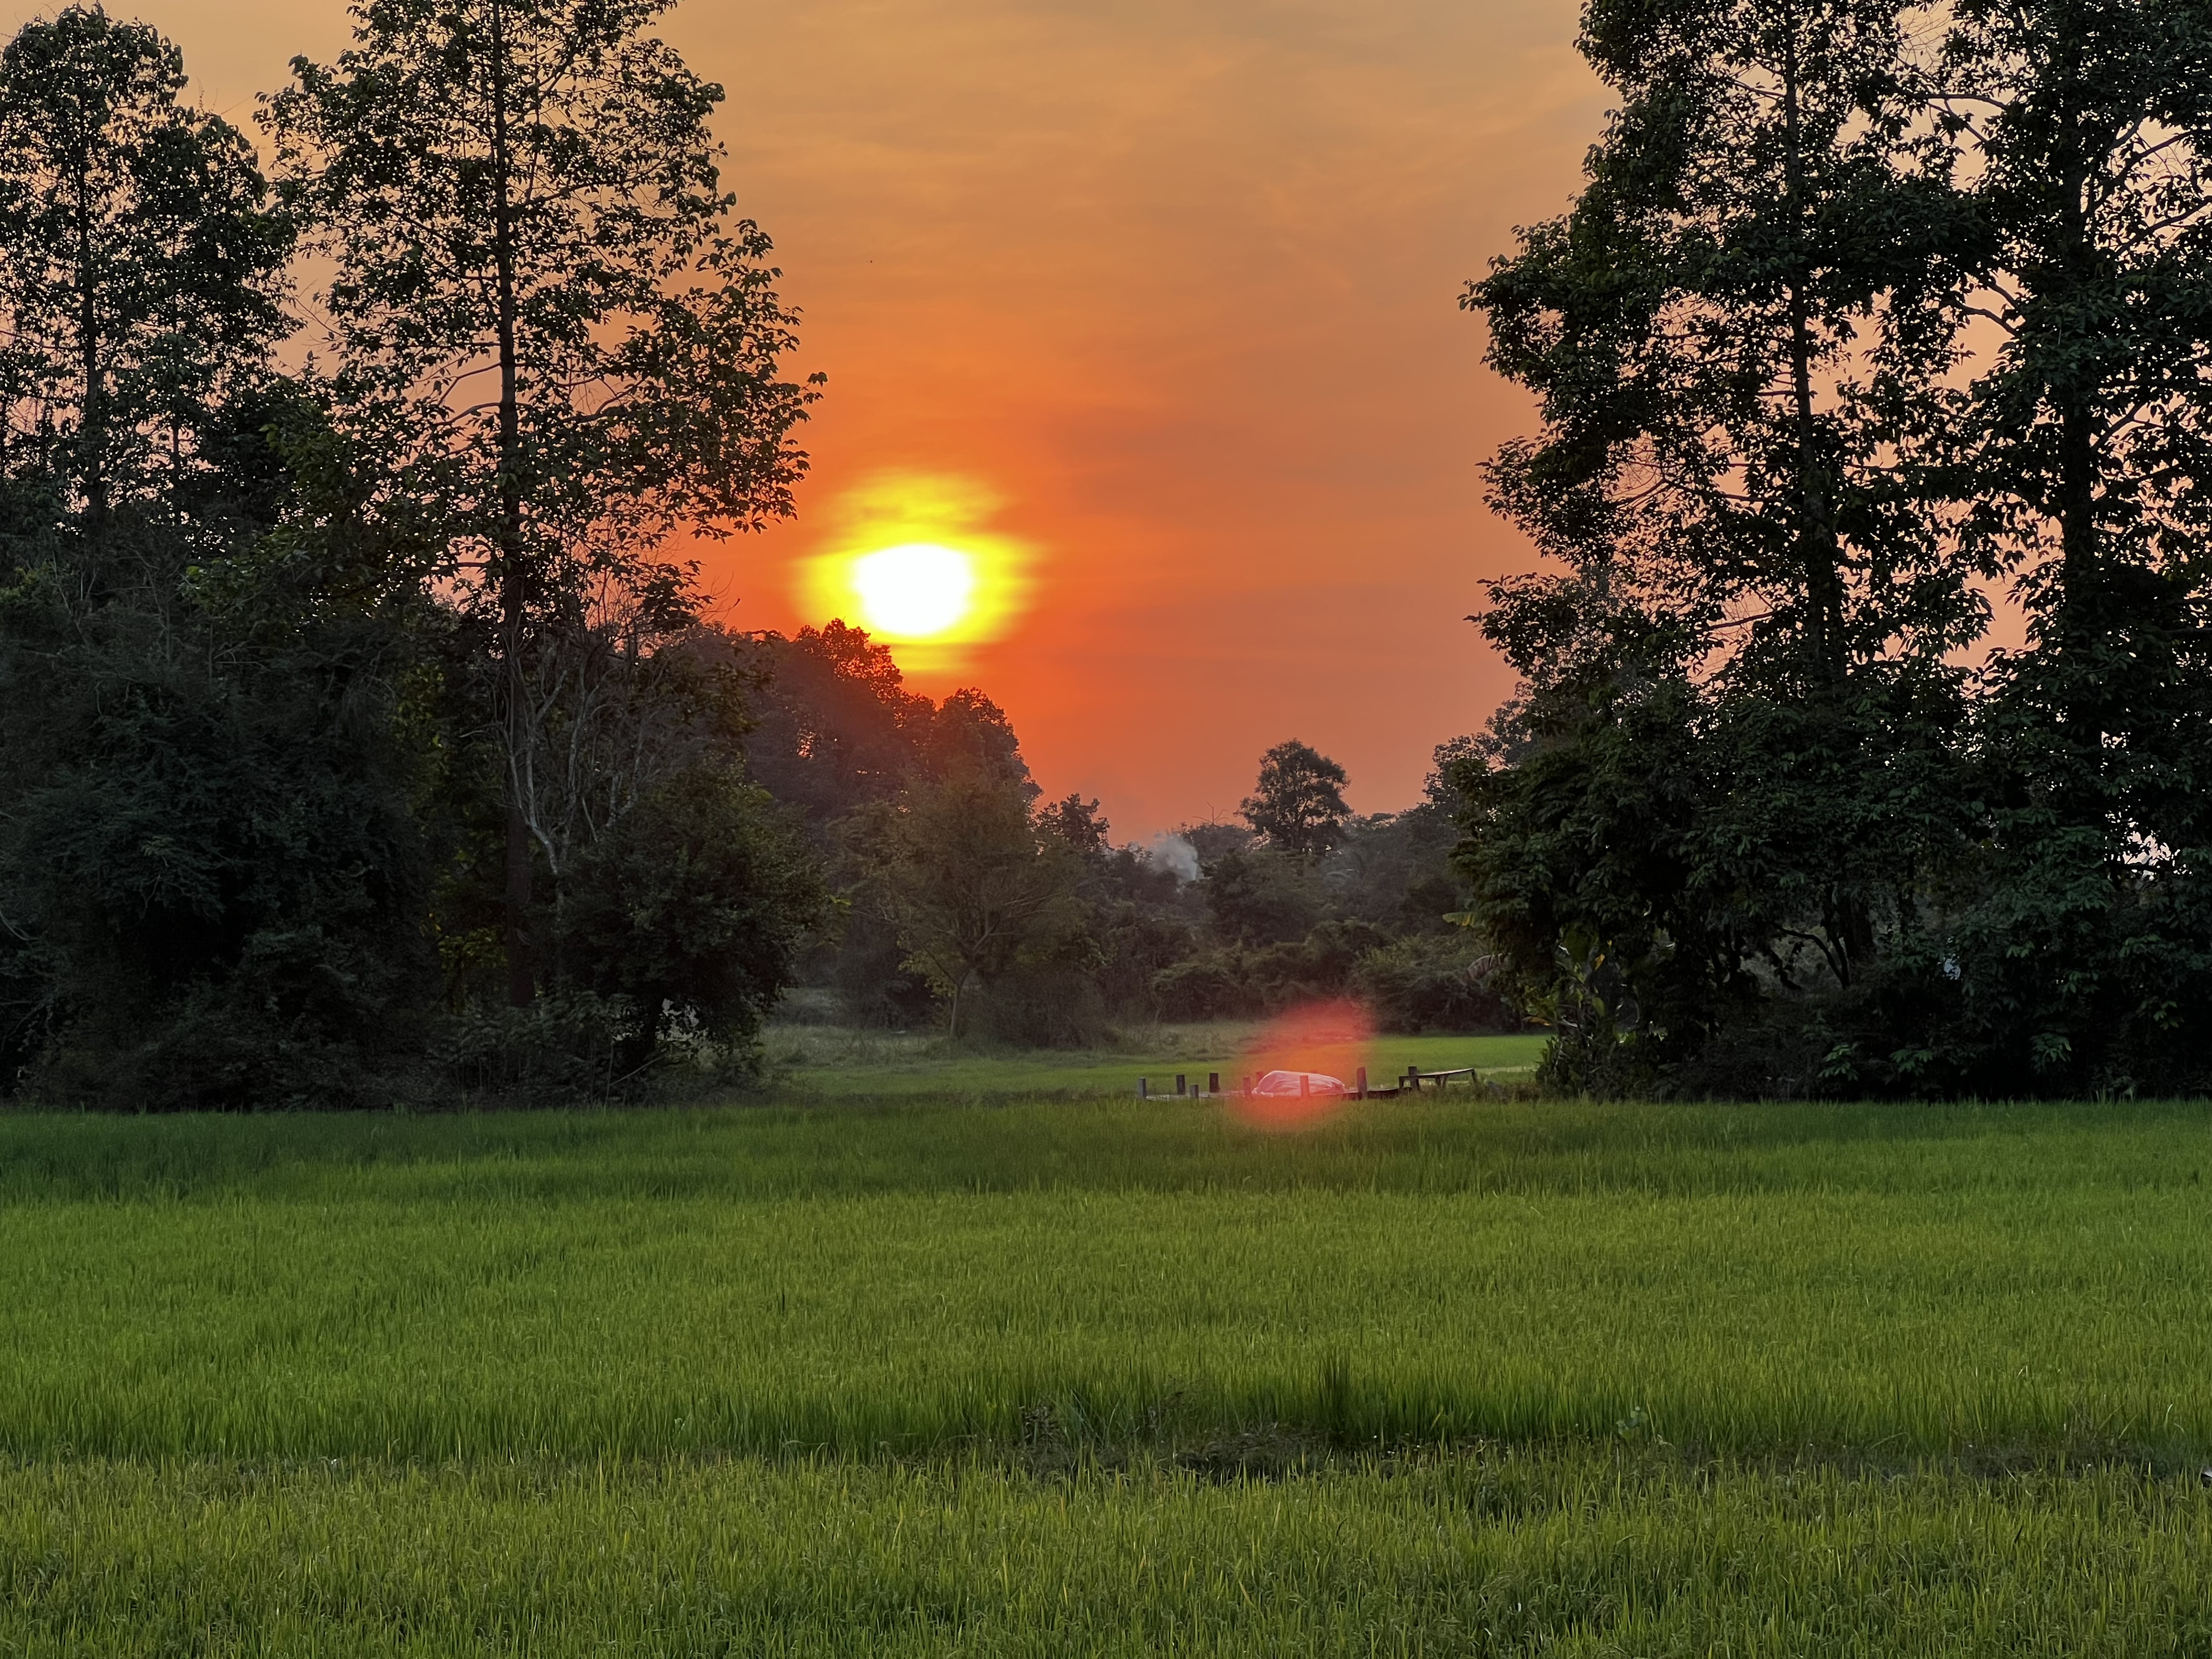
(359, 742)
(961, 901)
(1868, 316)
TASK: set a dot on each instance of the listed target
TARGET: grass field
(1105, 1378)
(838, 1063)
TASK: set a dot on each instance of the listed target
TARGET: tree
(691, 908)
(541, 301)
(1732, 334)
(1258, 896)
(211, 873)
(958, 867)
(1078, 823)
(834, 726)
(970, 733)
(2081, 939)
(213, 861)
(142, 264)
(1731, 758)
(2084, 125)
(1299, 802)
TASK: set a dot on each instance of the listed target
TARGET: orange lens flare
(1305, 1065)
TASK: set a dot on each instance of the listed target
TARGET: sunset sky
(1165, 293)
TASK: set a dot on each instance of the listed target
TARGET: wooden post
(1305, 1083)
(1362, 1082)
(1180, 1084)
(1244, 1084)
(1214, 1083)
(1144, 1088)
(1412, 1079)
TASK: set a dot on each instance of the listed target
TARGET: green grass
(836, 1062)
(1110, 1377)
(1573, 1551)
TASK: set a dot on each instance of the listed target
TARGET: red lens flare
(1302, 1067)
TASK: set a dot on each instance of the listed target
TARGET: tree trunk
(1848, 928)
(92, 416)
(512, 590)
(2080, 560)
(1819, 555)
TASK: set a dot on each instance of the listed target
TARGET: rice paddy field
(907, 1373)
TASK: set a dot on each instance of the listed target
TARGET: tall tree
(542, 295)
(2085, 127)
(2085, 131)
(1717, 775)
(1746, 287)
(141, 263)
(1298, 802)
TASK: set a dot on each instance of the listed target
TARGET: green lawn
(1072, 1378)
(834, 1062)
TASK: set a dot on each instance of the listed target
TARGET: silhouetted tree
(2082, 935)
(141, 265)
(957, 866)
(834, 724)
(541, 301)
(1078, 823)
(1731, 758)
(1298, 804)
(691, 909)
(211, 873)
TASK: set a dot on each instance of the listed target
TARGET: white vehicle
(1300, 1083)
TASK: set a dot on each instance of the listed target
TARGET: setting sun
(916, 591)
(911, 558)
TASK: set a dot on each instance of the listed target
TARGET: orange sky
(1173, 279)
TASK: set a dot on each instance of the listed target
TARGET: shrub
(1430, 982)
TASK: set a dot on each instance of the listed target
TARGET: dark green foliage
(214, 876)
(141, 263)
(210, 732)
(255, 778)
(1748, 826)
(874, 767)
(690, 907)
(1229, 981)
(1260, 896)
(2083, 937)
(1394, 869)
(1298, 804)
(1281, 928)
(834, 726)
(1430, 982)
(542, 305)
(982, 898)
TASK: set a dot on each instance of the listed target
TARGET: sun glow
(910, 557)
(916, 591)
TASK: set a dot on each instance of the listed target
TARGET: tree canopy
(1863, 314)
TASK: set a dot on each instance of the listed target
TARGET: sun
(916, 591)
(912, 558)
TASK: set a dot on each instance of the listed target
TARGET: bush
(689, 911)
(1430, 983)
(1055, 1007)
(567, 1045)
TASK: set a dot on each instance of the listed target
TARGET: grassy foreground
(1074, 1378)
